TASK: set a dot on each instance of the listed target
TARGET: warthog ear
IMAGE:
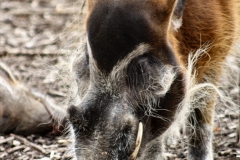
(91, 4)
(172, 10)
(177, 14)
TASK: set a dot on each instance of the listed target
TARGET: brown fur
(212, 23)
(115, 29)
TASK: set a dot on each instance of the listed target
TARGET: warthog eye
(143, 74)
(149, 81)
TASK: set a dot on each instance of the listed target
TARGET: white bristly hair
(198, 91)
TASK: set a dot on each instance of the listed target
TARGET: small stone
(45, 158)
(232, 135)
(52, 154)
(16, 143)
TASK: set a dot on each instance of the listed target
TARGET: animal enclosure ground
(33, 34)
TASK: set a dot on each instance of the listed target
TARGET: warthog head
(130, 81)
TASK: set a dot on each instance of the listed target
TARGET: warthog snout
(105, 130)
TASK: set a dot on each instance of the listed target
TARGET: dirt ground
(34, 38)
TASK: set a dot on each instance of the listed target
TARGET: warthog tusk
(138, 142)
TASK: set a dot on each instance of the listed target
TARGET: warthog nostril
(138, 142)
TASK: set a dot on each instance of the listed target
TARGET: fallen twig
(6, 140)
(15, 149)
(14, 51)
(3, 155)
(30, 144)
(30, 11)
(82, 6)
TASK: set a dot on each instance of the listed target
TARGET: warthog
(24, 111)
(149, 66)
